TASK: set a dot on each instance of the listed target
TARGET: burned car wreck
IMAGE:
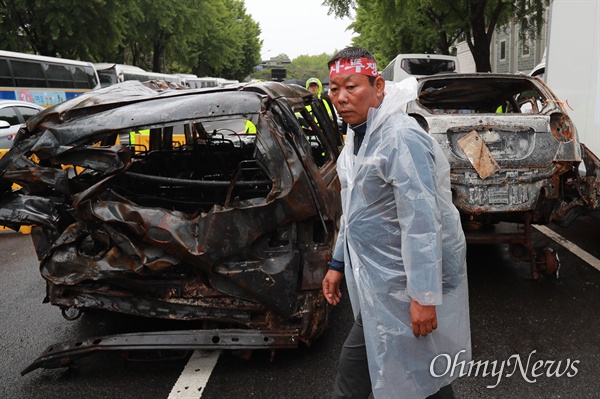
(514, 154)
(159, 203)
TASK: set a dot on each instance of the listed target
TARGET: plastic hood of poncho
(401, 240)
(318, 82)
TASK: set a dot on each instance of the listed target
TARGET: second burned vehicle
(514, 153)
(211, 205)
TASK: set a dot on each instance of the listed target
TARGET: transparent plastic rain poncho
(401, 239)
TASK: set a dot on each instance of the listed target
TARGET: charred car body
(157, 203)
(514, 154)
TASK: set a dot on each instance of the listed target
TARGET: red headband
(362, 66)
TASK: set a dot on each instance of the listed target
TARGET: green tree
(165, 37)
(385, 35)
(163, 28)
(209, 37)
(231, 47)
(244, 40)
(304, 67)
(420, 25)
(64, 28)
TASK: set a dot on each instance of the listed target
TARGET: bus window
(59, 76)
(405, 65)
(84, 77)
(5, 75)
(427, 66)
(117, 73)
(28, 74)
(45, 81)
(199, 83)
(107, 77)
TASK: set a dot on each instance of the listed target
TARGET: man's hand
(331, 287)
(423, 319)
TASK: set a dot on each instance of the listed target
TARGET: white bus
(198, 83)
(111, 74)
(185, 76)
(227, 82)
(405, 65)
(45, 81)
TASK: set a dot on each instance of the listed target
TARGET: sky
(298, 27)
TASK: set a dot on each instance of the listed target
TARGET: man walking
(401, 246)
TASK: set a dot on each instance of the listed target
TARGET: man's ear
(380, 86)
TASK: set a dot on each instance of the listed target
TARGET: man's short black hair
(350, 53)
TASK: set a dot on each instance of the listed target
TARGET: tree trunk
(156, 57)
(480, 43)
(481, 56)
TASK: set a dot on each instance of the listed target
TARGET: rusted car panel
(201, 221)
(513, 151)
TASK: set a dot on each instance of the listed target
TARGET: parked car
(195, 221)
(539, 70)
(13, 114)
(514, 153)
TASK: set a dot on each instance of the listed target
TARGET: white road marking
(195, 375)
(585, 256)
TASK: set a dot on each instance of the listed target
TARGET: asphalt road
(550, 322)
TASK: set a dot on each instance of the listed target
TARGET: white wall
(465, 58)
(572, 68)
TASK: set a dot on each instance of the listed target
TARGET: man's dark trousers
(352, 380)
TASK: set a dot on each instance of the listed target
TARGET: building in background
(508, 53)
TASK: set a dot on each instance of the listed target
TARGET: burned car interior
(515, 158)
(476, 97)
(159, 203)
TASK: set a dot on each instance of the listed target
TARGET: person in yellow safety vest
(249, 127)
(502, 108)
(132, 140)
(315, 86)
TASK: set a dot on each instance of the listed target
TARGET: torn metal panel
(17, 209)
(479, 154)
(64, 354)
(159, 204)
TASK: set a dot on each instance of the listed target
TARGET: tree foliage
(67, 28)
(231, 48)
(388, 27)
(304, 67)
(208, 37)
